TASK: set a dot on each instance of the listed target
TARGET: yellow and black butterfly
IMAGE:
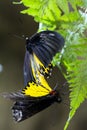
(34, 98)
(41, 48)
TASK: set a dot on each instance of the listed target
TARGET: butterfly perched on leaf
(40, 49)
(37, 94)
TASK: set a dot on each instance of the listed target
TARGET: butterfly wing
(45, 45)
(33, 68)
(46, 71)
(26, 106)
(37, 90)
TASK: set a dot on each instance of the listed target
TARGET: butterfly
(35, 97)
(37, 94)
(32, 99)
(40, 49)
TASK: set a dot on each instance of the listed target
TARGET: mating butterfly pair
(37, 94)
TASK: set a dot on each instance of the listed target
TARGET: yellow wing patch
(44, 70)
(40, 87)
(35, 90)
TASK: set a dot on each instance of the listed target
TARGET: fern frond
(76, 63)
(52, 13)
(77, 79)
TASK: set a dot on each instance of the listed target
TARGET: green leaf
(63, 4)
(77, 70)
(78, 79)
(52, 12)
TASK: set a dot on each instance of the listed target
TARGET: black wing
(45, 45)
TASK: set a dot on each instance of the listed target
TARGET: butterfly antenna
(20, 37)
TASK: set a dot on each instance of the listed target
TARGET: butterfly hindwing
(37, 89)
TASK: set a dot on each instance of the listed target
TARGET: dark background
(12, 50)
